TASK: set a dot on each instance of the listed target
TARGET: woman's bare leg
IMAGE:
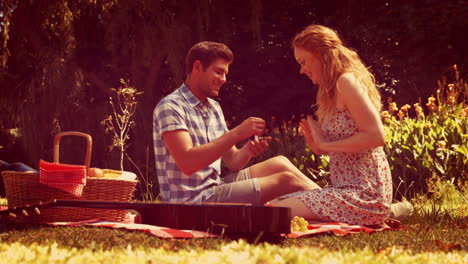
(298, 208)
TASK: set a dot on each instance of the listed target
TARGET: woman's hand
(313, 134)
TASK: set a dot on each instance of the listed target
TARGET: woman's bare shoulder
(347, 78)
(348, 84)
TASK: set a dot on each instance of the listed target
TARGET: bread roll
(95, 172)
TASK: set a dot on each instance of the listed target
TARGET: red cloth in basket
(68, 178)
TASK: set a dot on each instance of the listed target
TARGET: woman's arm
(352, 96)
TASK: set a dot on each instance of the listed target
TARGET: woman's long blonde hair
(336, 59)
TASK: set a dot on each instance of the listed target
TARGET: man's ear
(197, 66)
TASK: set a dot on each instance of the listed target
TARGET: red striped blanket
(339, 229)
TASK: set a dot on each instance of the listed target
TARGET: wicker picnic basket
(24, 189)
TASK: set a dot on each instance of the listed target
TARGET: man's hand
(256, 146)
(236, 159)
(251, 126)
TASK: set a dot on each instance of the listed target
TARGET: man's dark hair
(206, 52)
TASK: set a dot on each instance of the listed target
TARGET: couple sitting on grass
(191, 137)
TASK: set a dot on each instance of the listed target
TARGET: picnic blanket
(159, 231)
(338, 229)
(343, 229)
(335, 228)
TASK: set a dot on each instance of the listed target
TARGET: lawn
(435, 233)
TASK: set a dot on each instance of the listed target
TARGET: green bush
(426, 147)
(431, 145)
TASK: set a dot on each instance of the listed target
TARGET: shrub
(428, 143)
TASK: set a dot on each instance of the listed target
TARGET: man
(190, 139)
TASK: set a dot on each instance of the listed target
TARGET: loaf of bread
(111, 174)
(108, 173)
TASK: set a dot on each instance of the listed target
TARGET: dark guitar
(215, 218)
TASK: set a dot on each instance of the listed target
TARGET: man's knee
(281, 159)
(289, 179)
(279, 184)
(281, 162)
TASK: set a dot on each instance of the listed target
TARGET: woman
(349, 130)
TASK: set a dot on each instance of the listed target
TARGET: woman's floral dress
(361, 184)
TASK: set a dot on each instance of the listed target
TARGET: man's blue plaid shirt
(181, 110)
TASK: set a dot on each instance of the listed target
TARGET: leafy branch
(119, 122)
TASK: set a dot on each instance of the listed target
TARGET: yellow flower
(441, 144)
(451, 99)
(385, 114)
(418, 109)
(464, 112)
(431, 107)
(401, 115)
(405, 108)
(393, 107)
(431, 103)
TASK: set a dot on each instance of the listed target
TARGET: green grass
(436, 233)
(234, 252)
